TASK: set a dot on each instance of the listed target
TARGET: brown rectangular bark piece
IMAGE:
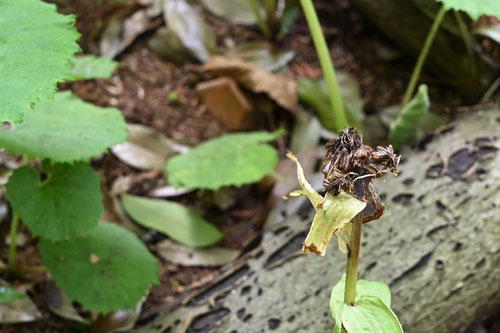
(225, 101)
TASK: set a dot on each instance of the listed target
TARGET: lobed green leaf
(36, 44)
(66, 129)
(67, 204)
(107, 270)
(173, 219)
(232, 159)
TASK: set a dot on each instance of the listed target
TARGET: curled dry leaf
(186, 21)
(19, 311)
(281, 89)
(60, 304)
(262, 54)
(122, 31)
(146, 148)
(235, 11)
(188, 256)
(332, 213)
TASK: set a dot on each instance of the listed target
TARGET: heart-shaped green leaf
(64, 130)
(173, 219)
(67, 204)
(232, 159)
(107, 270)
(36, 44)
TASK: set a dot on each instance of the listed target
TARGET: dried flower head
(351, 166)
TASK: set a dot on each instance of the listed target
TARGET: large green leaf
(173, 219)
(369, 315)
(64, 130)
(92, 67)
(67, 204)
(315, 94)
(232, 159)
(36, 44)
(8, 294)
(404, 127)
(108, 270)
(474, 8)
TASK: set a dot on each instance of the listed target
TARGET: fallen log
(406, 23)
(437, 246)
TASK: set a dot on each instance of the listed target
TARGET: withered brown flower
(351, 166)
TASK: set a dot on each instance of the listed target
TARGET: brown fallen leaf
(281, 89)
(225, 101)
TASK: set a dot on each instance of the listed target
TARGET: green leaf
(404, 127)
(474, 8)
(364, 288)
(232, 159)
(67, 204)
(173, 219)
(108, 270)
(315, 94)
(370, 315)
(36, 44)
(8, 294)
(92, 67)
(65, 130)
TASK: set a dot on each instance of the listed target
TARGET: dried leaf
(167, 44)
(280, 88)
(332, 213)
(188, 256)
(145, 148)
(122, 31)
(235, 11)
(192, 30)
(19, 311)
(60, 304)
(262, 54)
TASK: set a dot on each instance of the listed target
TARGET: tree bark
(437, 246)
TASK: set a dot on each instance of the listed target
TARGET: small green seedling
(357, 306)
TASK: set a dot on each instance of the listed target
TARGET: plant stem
(254, 4)
(13, 245)
(423, 55)
(353, 260)
(326, 63)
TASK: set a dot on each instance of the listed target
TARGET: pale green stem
(13, 236)
(326, 63)
(254, 4)
(354, 246)
(423, 55)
